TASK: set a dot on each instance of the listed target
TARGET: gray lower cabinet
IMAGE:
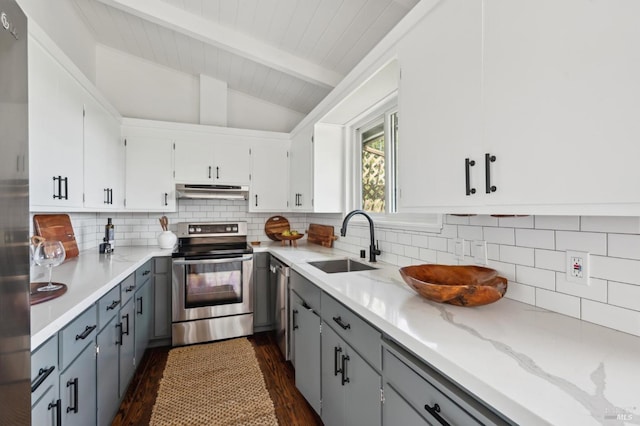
(397, 411)
(46, 405)
(350, 386)
(47, 411)
(108, 395)
(264, 294)
(142, 321)
(127, 347)
(161, 294)
(306, 346)
(78, 389)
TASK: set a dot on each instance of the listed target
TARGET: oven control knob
(235, 229)
(228, 228)
(198, 229)
(192, 230)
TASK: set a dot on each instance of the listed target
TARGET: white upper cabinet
(149, 177)
(541, 98)
(55, 134)
(103, 159)
(269, 176)
(301, 170)
(212, 159)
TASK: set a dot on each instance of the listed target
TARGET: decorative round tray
(291, 238)
(43, 296)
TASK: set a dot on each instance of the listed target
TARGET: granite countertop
(532, 365)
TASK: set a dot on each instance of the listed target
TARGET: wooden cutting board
(57, 227)
(321, 235)
(276, 225)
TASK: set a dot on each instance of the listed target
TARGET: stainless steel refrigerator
(15, 329)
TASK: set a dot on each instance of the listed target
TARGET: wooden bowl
(456, 285)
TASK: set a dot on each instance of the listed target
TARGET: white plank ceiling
(287, 52)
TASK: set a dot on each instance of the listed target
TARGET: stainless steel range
(212, 283)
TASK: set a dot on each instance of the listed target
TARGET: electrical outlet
(578, 267)
(459, 247)
(479, 252)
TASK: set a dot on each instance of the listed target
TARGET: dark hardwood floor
(291, 407)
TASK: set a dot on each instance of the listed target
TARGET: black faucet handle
(377, 247)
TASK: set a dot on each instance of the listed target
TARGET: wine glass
(49, 253)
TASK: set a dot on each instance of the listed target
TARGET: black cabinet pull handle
(119, 341)
(66, 188)
(209, 172)
(58, 195)
(217, 172)
(434, 412)
(341, 323)
(295, 326)
(43, 373)
(73, 383)
(146, 272)
(166, 199)
(467, 175)
(113, 305)
(57, 406)
(256, 200)
(105, 198)
(488, 159)
(130, 288)
(336, 352)
(87, 331)
(126, 317)
(139, 312)
(343, 370)
(110, 195)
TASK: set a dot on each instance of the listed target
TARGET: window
(377, 145)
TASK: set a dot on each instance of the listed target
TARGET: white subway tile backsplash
(420, 241)
(596, 290)
(493, 251)
(411, 251)
(516, 222)
(624, 295)
(483, 220)
(517, 255)
(449, 231)
(564, 223)
(536, 277)
(594, 243)
(623, 225)
(558, 302)
(549, 259)
(470, 233)
(446, 258)
(614, 269)
(535, 238)
(500, 235)
(521, 293)
(403, 239)
(397, 249)
(440, 244)
(429, 256)
(456, 220)
(624, 245)
(507, 270)
(622, 319)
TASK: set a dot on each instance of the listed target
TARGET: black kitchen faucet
(373, 248)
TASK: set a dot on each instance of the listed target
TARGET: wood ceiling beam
(222, 37)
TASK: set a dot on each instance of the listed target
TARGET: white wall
(247, 112)
(62, 23)
(138, 88)
(213, 101)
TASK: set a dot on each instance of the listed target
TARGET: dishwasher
(280, 277)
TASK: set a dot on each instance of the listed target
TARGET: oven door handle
(206, 261)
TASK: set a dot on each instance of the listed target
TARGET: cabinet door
(562, 101)
(142, 299)
(47, 409)
(333, 347)
(328, 181)
(127, 347)
(149, 178)
(307, 349)
(362, 391)
(301, 171)
(397, 411)
(78, 389)
(194, 161)
(231, 161)
(55, 133)
(162, 298)
(103, 159)
(269, 177)
(262, 306)
(440, 107)
(107, 359)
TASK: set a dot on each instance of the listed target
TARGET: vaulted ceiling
(287, 52)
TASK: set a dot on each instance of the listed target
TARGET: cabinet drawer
(76, 336)
(307, 291)
(420, 393)
(143, 273)
(44, 368)
(108, 306)
(162, 265)
(127, 288)
(355, 331)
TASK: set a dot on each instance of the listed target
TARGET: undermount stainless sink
(340, 265)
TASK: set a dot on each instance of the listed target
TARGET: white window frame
(409, 221)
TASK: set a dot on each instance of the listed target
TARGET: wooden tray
(43, 296)
(57, 227)
(276, 225)
(321, 235)
(291, 238)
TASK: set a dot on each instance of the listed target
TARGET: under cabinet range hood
(216, 192)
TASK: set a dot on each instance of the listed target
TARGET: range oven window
(212, 284)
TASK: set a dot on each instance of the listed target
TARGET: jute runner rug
(213, 384)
